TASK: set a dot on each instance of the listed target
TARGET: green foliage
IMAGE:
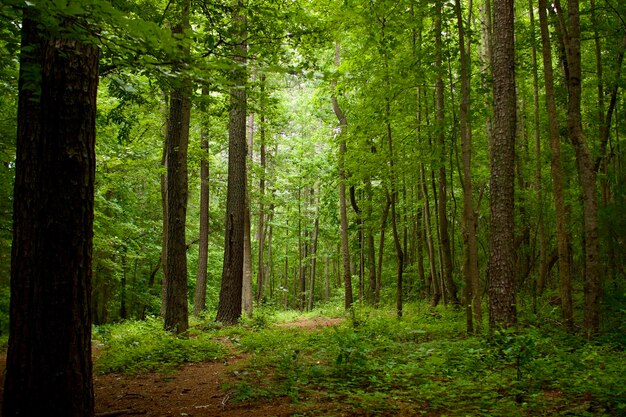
(425, 362)
(143, 346)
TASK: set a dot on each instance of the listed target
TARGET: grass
(376, 365)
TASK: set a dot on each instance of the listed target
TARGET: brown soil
(194, 390)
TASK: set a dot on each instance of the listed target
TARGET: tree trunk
(502, 309)
(316, 229)
(49, 365)
(303, 250)
(439, 283)
(176, 314)
(246, 294)
(442, 206)
(562, 235)
(359, 223)
(543, 244)
(586, 172)
(472, 294)
(164, 164)
(371, 248)
(435, 294)
(229, 307)
(343, 212)
(486, 52)
(381, 250)
(203, 243)
(261, 240)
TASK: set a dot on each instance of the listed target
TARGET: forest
(332, 208)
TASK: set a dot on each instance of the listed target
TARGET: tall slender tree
(556, 170)
(442, 206)
(176, 310)
(229, 308)
(570, 32)
(472, 301)
(502, 308)
(343, 210)
(203, 239)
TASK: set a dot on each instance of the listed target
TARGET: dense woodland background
(291, 153)
(399, 86)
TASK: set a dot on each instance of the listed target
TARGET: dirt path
(194, 390)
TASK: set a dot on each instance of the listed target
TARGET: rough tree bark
(176, 313)
(229, 307)
(502, 308)
(49, 366)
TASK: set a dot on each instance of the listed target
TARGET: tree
(584, 164)
(343, 210)
(176, 310)
(502, 309)
(450, 287)
(472, 301)
(562, 235)
(49, 367)
(203, 244)
(229, 308)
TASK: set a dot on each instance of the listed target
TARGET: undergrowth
(374, 364)
(143, 346)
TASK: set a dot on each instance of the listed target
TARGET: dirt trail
(195, 390)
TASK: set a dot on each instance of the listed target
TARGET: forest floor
(369, 364)
(194, 390)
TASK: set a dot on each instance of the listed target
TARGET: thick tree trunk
(49, 366)
(502, 308)
(562, 235)
(176, 313)
(229, 307)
